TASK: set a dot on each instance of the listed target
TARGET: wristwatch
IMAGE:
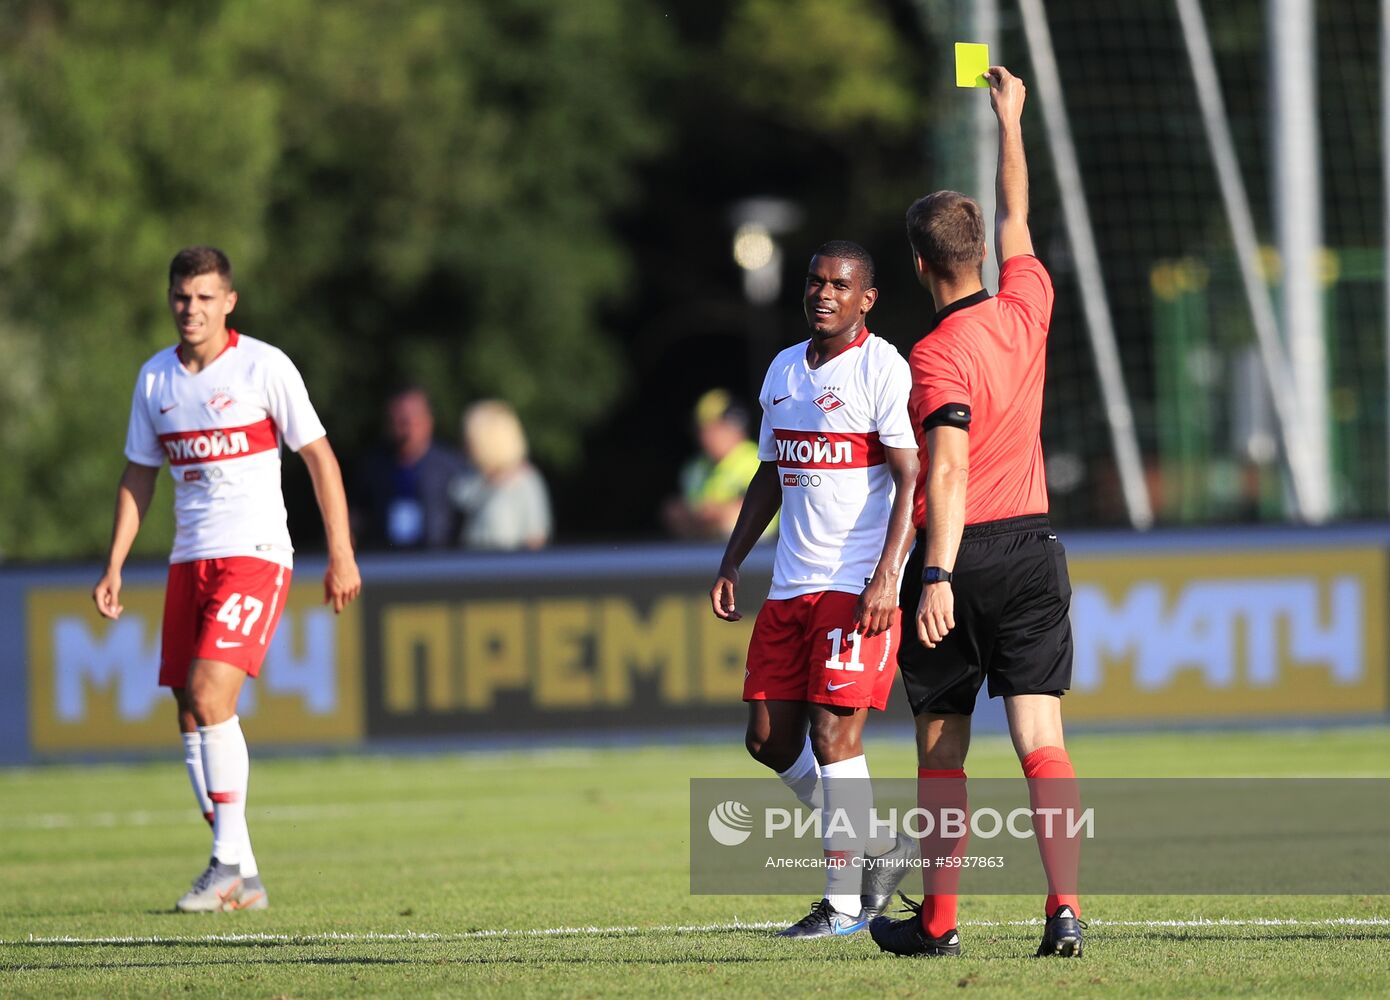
(935, 574)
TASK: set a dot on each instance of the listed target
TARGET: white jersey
(220, 431)
(826, 429)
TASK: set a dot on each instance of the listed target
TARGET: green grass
(432, 850)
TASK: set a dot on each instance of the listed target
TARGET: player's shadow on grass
(1271, 934)
(430, 960)
(797, 953)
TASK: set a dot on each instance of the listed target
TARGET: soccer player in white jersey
(217, 406)
(839, 458)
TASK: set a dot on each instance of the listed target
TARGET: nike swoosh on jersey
(781, 399)
(224, 644)
(166, 409)
(836, 687)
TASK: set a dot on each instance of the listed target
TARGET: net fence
(1205, 424)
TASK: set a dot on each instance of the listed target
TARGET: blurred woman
(505, 504)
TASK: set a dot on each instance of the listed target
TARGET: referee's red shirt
(990, 353)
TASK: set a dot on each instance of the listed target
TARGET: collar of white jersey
(232, 338)
(858, 341)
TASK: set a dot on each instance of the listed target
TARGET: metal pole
(1385, 170)
(986, 132)
(1119, 416)
(1297, 188)
(1274, 361)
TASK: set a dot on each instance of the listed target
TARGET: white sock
(845, 785)
(803, 777)
(883, 840)
(193, 760)
(249, 869)
(226, 768)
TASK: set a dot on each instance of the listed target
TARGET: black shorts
(1012, 598)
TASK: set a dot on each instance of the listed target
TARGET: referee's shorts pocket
(1061, 580)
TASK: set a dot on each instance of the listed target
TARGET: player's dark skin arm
(874, 612)
(760, 504)
(948, 466)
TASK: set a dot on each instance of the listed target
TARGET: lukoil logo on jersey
(827, 449)
(187, 447)
(209, 445)
(821, 450)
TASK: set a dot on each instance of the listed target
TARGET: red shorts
(220, 609)
(806, 649)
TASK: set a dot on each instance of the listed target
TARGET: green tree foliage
(128, 146)
(429, 192)
(409, 193)
(830, 67)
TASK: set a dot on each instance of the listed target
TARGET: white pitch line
(340, 936)
(263, 814)
(631, 930)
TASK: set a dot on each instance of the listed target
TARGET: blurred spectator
(402, 496)
(504, 500)
(714, 481)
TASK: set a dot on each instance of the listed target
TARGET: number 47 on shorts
(240, 612)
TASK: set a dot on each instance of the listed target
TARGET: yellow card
(972, 62)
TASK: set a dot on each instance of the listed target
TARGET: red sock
(937, 791)
(1052, 784)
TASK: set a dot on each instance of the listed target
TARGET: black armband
(950, 415)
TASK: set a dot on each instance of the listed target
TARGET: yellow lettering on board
(494, 651)
(723, 657)
(630, 644)
(417, 638)
(564, 634)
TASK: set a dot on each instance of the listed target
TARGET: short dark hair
(847, 250)
(193, 261)
(947, 230)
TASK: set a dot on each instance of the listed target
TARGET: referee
(987, 582)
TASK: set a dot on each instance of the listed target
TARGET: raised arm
(1011, 235)
(760, 503)
(341, 582)
(133, 497)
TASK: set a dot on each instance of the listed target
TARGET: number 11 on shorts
(836, 637)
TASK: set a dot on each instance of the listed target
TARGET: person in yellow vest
(714, 481)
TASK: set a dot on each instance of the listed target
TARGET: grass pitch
(564, 873)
